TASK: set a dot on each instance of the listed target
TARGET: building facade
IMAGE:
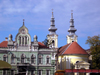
(28, 57)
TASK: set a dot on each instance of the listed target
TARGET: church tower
(52, 37)
(71, 36)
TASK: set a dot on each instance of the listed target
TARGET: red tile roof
(4, 44)
(72, 48)
(41, 45)
(62, 49)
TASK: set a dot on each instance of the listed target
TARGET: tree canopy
(94, 43)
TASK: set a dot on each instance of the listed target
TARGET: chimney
(6, 39)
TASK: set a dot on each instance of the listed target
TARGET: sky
(37, 15)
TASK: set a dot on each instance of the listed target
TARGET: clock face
(23, 31)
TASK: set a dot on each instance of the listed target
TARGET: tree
(94, 43)
(48, 42)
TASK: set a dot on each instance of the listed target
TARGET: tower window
(53, 43)
(19, 40)
(23, 40)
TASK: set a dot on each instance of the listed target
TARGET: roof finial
(23, 21)
(71, 13)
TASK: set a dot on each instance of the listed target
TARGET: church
(28, 57)
(72, 55)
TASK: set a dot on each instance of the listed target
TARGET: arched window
(25, 40)
(40, 59)
(22, 40)
(32, 59)
(53, 43)
(5, 58)
(40, 72)
(47, 60)
(22, 58)
(47, 72)
(12, 59)
(19, 40)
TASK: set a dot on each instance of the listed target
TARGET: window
(12, 59)
(32, 59)
(4, 72)
(40, 72)
(19, 40)
(25, 40)
(22, 58)
(47, 60)
(47, 72)
(12, 72)
(53, 43)
(40, 59)
(32, 72)
(5, 58)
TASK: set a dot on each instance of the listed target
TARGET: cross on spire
(23, 21)
(71, 13)
(52, 10)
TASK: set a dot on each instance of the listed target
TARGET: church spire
(71, 36)
(52, 37)
(52, 28)
(72, 30)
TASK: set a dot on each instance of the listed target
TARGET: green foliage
(48, 42)
(94, 43)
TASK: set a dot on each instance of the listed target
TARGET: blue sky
(37, 15)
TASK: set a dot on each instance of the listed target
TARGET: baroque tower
(52, 37)
(71, 36)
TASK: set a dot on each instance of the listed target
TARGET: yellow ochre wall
(65, 60)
